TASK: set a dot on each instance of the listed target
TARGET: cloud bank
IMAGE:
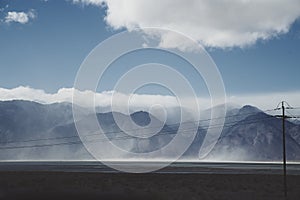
(20, 17)
(263, 101)
(213, 23)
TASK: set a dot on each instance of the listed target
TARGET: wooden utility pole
(284, 148)
(283, 116)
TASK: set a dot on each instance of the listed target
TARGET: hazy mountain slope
(257, 137)
(30, 122)
(30, 130)
(23, 119)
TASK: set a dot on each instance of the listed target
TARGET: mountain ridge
(248, 134)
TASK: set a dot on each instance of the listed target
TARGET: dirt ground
(82, 185)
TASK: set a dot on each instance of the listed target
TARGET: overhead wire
(128, 137)
(122, 131)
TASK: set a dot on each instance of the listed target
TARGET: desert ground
(91, 185)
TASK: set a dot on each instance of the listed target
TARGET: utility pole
(284, 148)
(283, 116)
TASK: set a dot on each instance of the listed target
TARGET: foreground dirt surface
(80, 185)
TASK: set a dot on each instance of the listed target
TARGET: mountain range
(34, 131)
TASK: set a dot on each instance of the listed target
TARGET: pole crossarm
(286, 117)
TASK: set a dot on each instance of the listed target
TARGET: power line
(128, 137)
(225, 125)
(113, 132)
(295, 108)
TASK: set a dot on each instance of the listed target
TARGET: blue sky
(46, 52)
(267, 66)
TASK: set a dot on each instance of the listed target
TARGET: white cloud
(142, 102)
(214, 23)
(20, 17)
(89, 2)
(103, 99)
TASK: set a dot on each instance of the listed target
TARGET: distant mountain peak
(141, 118)
(248, 109)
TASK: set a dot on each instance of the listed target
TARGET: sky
(255, 44)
